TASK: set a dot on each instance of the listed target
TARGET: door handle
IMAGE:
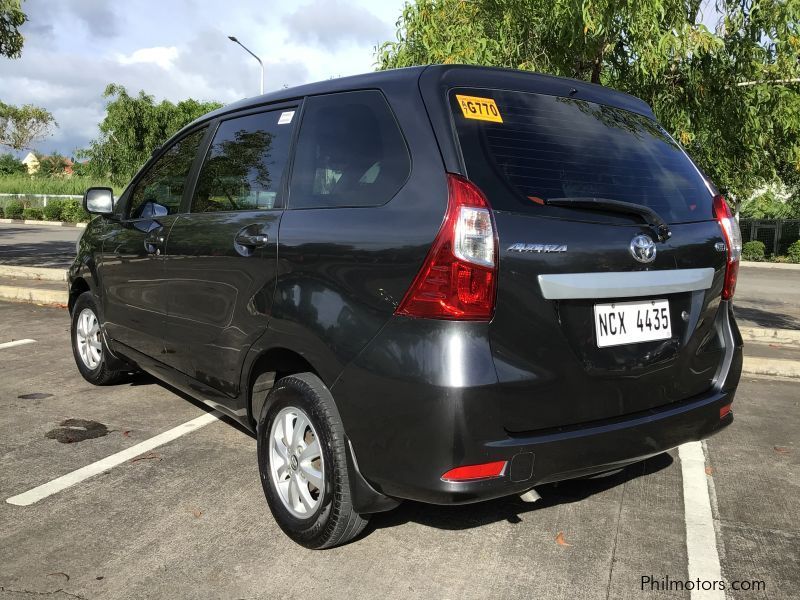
(252, 240)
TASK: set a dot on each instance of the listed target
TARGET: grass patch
(24, 184)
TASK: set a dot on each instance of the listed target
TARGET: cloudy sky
(177, 49)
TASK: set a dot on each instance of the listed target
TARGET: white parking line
(70, 479)
(701, 540)
(16, 343)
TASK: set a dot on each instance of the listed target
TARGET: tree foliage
(134, 126)
(23, 126)
(767, 205)
(11, 19)
(9, 165)
(723, 94)
(53, 165)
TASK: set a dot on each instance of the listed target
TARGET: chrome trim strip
(627, 284)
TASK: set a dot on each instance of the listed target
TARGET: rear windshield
(524, 148)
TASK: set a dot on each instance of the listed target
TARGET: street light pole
(246, 49)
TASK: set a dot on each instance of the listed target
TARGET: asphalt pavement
(38, 245)
(768, 297)
(188, 518)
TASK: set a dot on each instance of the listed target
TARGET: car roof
(445, 76)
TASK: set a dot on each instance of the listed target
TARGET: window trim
(288, 203)
(281, 198)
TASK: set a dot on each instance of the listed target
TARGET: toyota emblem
(643, 249)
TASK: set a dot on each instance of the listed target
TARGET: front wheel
(88, 346)
(303, 464)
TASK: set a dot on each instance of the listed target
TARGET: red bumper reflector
(723, 412)
(471, 472)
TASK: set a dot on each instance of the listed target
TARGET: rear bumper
(424, 398)
(555, 456)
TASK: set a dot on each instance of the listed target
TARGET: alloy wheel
(87, 338)
(296, 464)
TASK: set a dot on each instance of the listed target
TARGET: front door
(132, 265)
(220, 258)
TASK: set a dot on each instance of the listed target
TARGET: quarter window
(350, 152)
(245, 163)
(160, 190)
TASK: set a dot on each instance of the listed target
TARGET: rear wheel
(88, 347)
(303, 464)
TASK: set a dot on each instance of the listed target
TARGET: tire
(93, 362)
(331, 520)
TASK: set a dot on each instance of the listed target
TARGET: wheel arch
(267, 368)
(78, 286)
(275, 363)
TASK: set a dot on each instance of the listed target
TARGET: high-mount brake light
(733, 244)
(458, 279)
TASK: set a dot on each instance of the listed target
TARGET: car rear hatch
(602, 310)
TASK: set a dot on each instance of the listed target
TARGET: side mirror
(99, 201)
(153, 210)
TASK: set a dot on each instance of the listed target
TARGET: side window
(245, 163)
(350, 152)
(160, 189)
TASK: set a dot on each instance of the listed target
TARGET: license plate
(631, 322)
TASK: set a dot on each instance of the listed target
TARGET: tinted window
(553, 147)
(160, 190)
(245, 163)
(350, 152)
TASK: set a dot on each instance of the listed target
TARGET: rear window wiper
(651, 217)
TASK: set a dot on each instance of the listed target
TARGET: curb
(46, 223)
(775, 367)
(763, 335)
(770, 265)
(35, 273)
(37, 296)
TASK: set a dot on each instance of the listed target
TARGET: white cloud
(179, 49)
(162, 56)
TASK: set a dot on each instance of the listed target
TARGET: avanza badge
(482, 109)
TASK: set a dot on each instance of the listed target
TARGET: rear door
(595, 317)
(132, 266)
(221, 256)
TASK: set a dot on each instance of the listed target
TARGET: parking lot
(187, 519)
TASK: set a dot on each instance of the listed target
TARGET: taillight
(473, 472)
(458, 279)
(733, 244)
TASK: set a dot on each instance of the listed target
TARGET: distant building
(31, 163)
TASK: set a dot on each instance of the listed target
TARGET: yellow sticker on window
(483, 109)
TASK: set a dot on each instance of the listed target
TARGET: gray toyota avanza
(444, 284)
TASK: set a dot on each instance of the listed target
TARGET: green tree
(80, 169)
(11, 19)
(9, 165)
(23, 126)
(134, 126)
(730, 96)
(51, 166)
